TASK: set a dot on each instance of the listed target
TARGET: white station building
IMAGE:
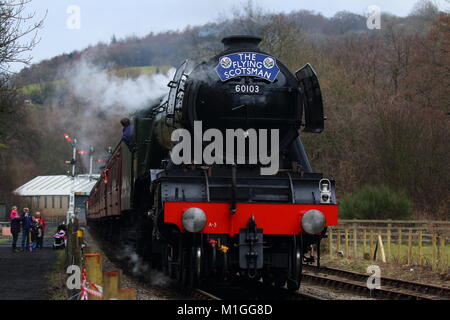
(54, 196)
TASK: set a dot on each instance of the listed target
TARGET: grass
(57, 278)
(402, 258)
(134, 72)
(423, 274)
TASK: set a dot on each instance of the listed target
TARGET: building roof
(58, 185)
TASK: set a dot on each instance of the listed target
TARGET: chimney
(241, 42)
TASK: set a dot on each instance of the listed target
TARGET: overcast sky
(100, 19)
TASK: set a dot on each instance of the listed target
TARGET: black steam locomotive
(235, 217)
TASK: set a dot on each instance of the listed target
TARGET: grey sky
(100, 19)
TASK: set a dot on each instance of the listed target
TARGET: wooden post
(364, 241)
(338, 240)
(127, 294)
(371, 244)
(409, 246)
(443, 257)
(380, 245)
(111, 284)
(399, 248)
(347, 253)
(330, 242)
(420, 248)
(78, 240)
(433, 251)
(355, 242)
(389, 253)
(93, 262)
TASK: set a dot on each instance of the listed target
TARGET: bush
(376, 202)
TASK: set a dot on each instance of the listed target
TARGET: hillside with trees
(385, 94)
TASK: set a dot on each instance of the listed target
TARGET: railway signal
(73, 143)
(69, 139)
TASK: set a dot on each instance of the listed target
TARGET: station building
(53, 196)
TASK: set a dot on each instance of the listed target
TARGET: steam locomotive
(202, 222)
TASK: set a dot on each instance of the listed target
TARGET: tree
(12, 32)
(15, 137)
(426, 9)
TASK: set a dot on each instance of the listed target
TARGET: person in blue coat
(128, 133)
(27, 223)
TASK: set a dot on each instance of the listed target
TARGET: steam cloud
(90, 101)
(108, 91)
(141, 269)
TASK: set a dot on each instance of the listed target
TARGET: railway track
(249, 291)
(390, 288)
(329, 277)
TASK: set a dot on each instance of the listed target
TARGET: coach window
(60, 202)
(53, 202)
(45, 202)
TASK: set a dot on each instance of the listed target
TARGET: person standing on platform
(41, 221)
(15, 227)
(34, 233)
(27, 222)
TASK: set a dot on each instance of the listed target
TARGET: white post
(91, 159)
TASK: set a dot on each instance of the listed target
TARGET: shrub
(376, 202)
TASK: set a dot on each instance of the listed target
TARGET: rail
(390, 288)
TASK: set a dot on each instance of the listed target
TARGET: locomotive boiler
(201, 221)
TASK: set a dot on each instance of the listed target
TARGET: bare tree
(15, 25)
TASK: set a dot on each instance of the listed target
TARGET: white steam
(141, 269)
(91, 100)
(106, 91)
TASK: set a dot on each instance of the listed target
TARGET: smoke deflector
(312, 102)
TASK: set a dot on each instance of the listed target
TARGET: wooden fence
(99, 285)
(405, 242)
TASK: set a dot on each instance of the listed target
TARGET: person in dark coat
(127, 133)
(15, 227)
(34, 233)
(27, 223)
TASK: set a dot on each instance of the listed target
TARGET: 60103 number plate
(247, 89)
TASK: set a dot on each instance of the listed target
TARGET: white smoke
(106, 91)
(94, 99)
(140, 268)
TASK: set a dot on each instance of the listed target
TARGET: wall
(53, 208)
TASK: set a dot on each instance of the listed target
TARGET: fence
(96, 284)
(410, 242)
(5, 230)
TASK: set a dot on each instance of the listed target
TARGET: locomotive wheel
(294, 281)
(167, 262)
(183, 270)
(165, 259)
